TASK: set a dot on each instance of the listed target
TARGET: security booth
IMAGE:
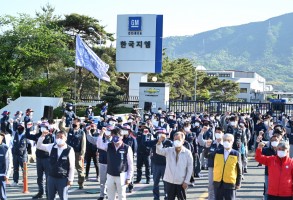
(153, 96)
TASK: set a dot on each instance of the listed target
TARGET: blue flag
(85, 57)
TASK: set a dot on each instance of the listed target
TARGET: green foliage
(112, 98)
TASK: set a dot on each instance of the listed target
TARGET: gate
(221, 107)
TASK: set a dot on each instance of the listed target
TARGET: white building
(252, 85)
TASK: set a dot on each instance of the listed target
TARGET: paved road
(252, 187)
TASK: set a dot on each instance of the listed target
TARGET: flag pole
(75, 89)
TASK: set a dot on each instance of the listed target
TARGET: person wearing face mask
(280, 171)
(61, 165)
(130, 141)
(112, 122)
(89, 111)
(158, 162)
(19, 145)
(17, 119)
(4, 122)
(244, 144)
(163, 123)
(237, 132)
(5, 167)
(289, 131)
(143, 153)
(271, 150)
(69, 114)
(227, 170)
(106, 138)
(43, 160)
(171, 120)
(209, 152)
(179, 166)
(91, 152)
(104, 110)
(207, 132)
(76, 138)
(120, 164)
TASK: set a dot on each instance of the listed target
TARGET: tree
(32, 49)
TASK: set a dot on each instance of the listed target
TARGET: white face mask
(217, 118)
(146, 117)
(227, 145)
(50, 127)
(218, 135)
(212, 118)
(130, 120)
(196, 124)
(159, 111)
(177, 143)
(162, 120)
(112, 123)
(70, 108)
(90, 110)
(60, 142)
(233, 123)
(171, 117)
(187, 129)
(43, 129)
(274, 143)
(241, 124)
(107, 133)
(124, 132)
(281, 154)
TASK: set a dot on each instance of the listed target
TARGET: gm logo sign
(134, 24)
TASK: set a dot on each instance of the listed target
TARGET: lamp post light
(154, 79)
(92, 30)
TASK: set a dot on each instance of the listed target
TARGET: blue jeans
(158, 173)
(266, 187)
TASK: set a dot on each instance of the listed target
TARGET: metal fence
(88, 98)
(222, 107)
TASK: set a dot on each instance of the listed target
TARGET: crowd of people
(173, 148)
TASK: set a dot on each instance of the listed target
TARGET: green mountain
(265, 47)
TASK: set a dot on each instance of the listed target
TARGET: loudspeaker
(147, 106)
(48, 112)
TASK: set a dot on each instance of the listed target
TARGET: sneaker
(14, 184)
(80, 187)
(147, 181)
(136, 182)
(38, 196)
(97, 179)
(101, 198)
(259, 165)
(86, 178)
(245, 171)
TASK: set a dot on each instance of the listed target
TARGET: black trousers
(143, 160)
(270, 197)
(227, 194)
(174, 191)
(43, 165)
(89, 155)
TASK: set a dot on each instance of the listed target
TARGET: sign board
(139, 43)
(277, 100)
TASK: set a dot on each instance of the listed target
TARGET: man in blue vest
(69, 114)
(76, 138)
(61, 166)
(107, 138)
(42, 157)
(4, 122)
(158, 161)
(5, 166)
(120, 164)
(19, 152)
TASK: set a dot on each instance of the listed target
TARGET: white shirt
(176, 172)
(104, 146)
(48, 148)
(226, 154)
(8, 162)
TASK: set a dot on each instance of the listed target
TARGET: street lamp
(92, 30)
(195, 82)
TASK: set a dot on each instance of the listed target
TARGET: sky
(181, 17)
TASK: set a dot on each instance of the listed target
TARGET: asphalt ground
(252, 186)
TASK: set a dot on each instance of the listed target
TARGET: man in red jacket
(280, 169)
